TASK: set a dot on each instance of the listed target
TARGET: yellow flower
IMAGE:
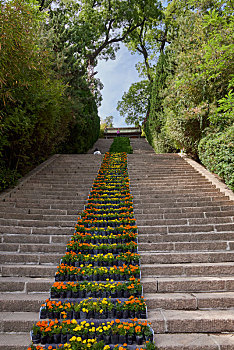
(73, 338)
(73, 321)
(106, 347)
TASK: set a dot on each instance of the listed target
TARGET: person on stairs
(96, 151)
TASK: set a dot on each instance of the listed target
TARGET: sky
(117, 76)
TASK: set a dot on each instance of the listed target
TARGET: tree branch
(107, 42)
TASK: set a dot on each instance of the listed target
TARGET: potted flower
(35, 334)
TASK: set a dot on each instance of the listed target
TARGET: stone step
(50, 258)
(187, 237)
(183, 321)
(38, 223)
(14, 341)
(180, 221)
(30, 216)
(191, 269)
(181, 215)
(29, 248)
(183, 257)
(172, 321)
(194, 341)
(28, 270)
(25, 284)
(34, 239)
(174, 284)
(18, 321)
(151, 284)
(183, 246)
(50, 230)
(168, 203)
(10, 302)
(186, 301)
(208, 210)
(185, 228)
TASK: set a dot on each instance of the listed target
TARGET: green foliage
(216, 152)
(108, 121)
(154, 125)
(121, 144)
(193, 85)
(8, 177)
(134, 103)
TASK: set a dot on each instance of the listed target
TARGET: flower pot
(149, 337)
(43, 313)
(111, 313)
(76, 315)
(69, 315)
(125, 313)
(44, 339)
(130, 339)
(35, 337)
(56, 314)
(83, 315)
(57, 338)
(63, 294)
(119, 313)
(75, 294)
(68, 293)
(54, 294)
(139, 339)
(63, 338)
(69, 336)
(106, 339)
(122, 339)
(114, 339)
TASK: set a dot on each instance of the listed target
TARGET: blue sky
(116, 76)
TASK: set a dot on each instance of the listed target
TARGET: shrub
(121, 144)
(216, 152)
(8, 177)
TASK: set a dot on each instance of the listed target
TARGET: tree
(134, 103)
(34, 110)
(108, 121)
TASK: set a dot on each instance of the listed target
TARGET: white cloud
(116, 76)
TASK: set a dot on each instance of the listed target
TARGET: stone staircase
(186, 240)
(103, 145)
(37, 219)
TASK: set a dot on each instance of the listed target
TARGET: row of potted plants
(111, 332)
(107, 237)
(93, 273)
(105, 230)
(103, 248)
(76, 343)
(73, 259)
(97, 290)
(100, 308)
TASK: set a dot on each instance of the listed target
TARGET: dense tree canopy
(49, 94)
(191, 90)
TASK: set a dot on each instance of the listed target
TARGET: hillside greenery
(49, 95)
(188, 59)
(121, 144)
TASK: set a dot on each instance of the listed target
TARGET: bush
(216, 152)
(8, 177)
(121, 144)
